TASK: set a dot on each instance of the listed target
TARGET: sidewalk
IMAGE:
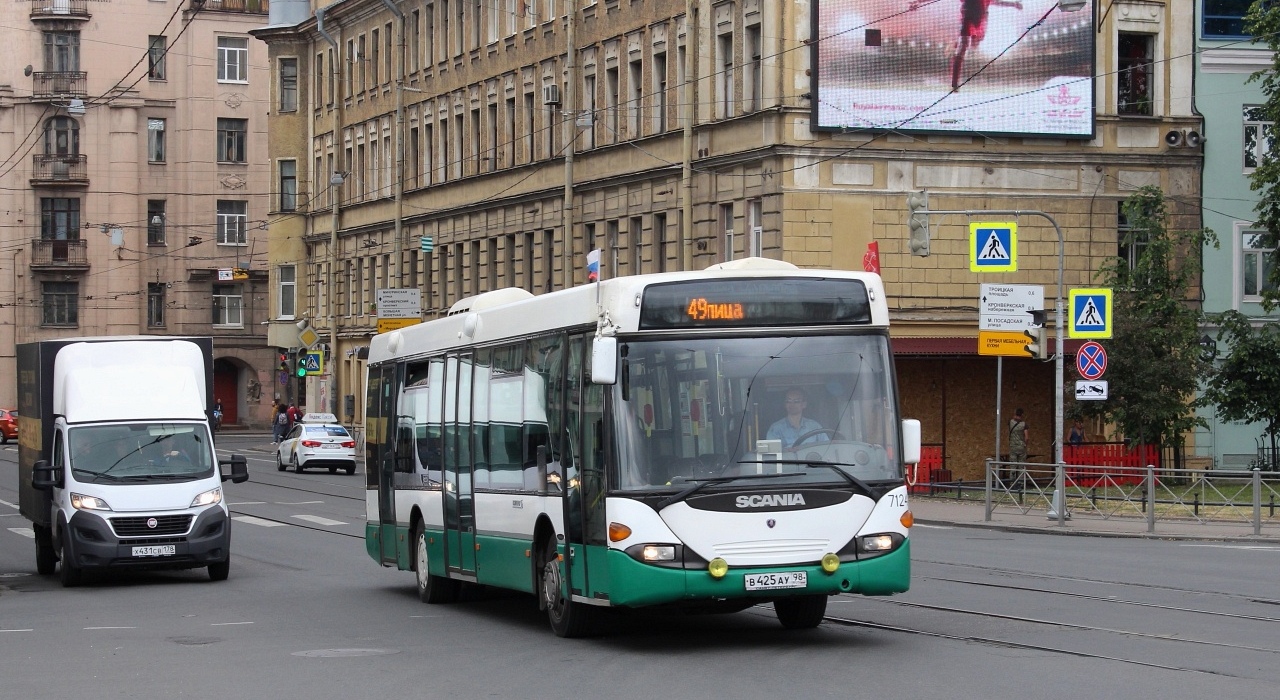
(945, 512)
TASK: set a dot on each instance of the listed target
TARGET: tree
(1246, 385)
(1263, 23)
(1154, 362)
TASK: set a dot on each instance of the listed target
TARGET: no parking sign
(1091, 360)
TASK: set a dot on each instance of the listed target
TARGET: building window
(288, 84)
(724, 76)
(155, 140)
(375, 61)
(233, 218)
(319, 78)
(1131, 242)
(233, 59)
(232, 134)
(227, 305)
(753, 81)
(1224, 19)
(635, 241)
(155, 222)
(288, 185)
(157, 47)
(61, 52)
(61, 137)
(1255, 266)
(1258, 137)
(636, 87)
(660, 241)
(755, 227)
(60, 303)
(660, 89)
(1135, 64)
(611, 99)
(288, 302)
(155, 304)
(726, 225)
(60, 218)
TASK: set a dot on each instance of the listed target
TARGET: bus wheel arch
(543, 532)
(432, 589)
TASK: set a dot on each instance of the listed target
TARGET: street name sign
(399, 303)
(1005, 343)
(993, 247)
(1004, 307)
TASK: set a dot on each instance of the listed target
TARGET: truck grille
(165, 525)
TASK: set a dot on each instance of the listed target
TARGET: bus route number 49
(780, 579)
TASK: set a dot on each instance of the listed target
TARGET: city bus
(618, 445)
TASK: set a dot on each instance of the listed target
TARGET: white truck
(116, 462)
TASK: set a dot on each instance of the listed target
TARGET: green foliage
(1246, 385)
(1263, 23)
(1154, 365)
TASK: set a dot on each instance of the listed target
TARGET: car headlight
(82, 502)
(207, 498)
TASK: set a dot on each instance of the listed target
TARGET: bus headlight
(658, 552)
(876, 543)
(830, 562)
(207, 498)
(718, 568)
(83, 502)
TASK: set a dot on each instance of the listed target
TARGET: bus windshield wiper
(699, 483)
(874, 493)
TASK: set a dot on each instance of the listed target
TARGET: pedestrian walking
(279, 424)
(1018, 437)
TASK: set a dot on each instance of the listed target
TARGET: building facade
(675, 135)
(1235, 139)
(135, 183)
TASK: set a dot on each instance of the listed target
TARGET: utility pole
(398, 185)
(569, 127)
(688, 111)
(335, 186)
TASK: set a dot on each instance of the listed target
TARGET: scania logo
(771, 522)
(152, 522)
(769, 500)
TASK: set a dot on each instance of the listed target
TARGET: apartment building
(134, 183)
(511, 137)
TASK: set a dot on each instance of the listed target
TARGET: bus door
(380, 415)
(585, 493)
(459, 511)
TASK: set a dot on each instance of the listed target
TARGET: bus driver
(795, 425)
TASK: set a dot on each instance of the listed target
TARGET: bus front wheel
(568, 618)
(431, 589)
(801, 612)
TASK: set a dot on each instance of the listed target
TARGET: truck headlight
(82, 502)
(207, 498)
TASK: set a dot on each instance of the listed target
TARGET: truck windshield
(795, 408)
(140, 451)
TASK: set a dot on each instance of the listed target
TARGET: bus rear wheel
(568, 618)
(801, 612)
(431, 589)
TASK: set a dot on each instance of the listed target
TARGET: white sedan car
(317, 445)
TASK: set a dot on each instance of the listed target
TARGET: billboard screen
(1007, 67)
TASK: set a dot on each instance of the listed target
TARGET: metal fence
(1150, 494)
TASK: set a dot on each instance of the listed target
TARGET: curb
(1173, 537)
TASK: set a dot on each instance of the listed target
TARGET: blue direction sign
(1090, 313)
(1091, 360)
(993, 247)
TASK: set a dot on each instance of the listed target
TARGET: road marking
(24, 531)
(224, 624)
(11, 505)
(111, 628)
(250, 520)
(298, 503)
(247, 503)
(318, 520)
(1235, 546)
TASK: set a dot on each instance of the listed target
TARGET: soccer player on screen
(973, 27)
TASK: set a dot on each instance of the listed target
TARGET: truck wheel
(218, 571)
(46, 555)
(71, 574)
(801, 612)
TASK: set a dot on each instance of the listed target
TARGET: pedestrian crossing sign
(993, 247)
(1090, 313)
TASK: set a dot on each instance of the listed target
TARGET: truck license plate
(155, 550)
(781, 579)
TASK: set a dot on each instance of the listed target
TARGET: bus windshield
(140, 452)
(801, 406)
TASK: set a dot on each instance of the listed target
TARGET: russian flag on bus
(593, 265)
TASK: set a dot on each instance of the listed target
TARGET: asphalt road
(307, 614)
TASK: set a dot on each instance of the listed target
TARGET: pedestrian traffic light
(918, 223)
(1038, 347)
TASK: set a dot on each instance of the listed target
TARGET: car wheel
(297, 466)
(218, 571)
(279, 465)
(351, 470)
(801, 612)
(333, 470)
(4, 439)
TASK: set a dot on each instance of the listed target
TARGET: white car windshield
(139, 452)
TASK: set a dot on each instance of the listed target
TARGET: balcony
(59, 255)
(252, 7)
(59, 84)
(60, 9)
(58, 171)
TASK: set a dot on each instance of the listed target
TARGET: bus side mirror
(910, 441)
(239, 469)
(45, 476)
(604, 360)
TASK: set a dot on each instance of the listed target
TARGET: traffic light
(1039, 345)
(918, 222)
(300, 368)
(284, 363)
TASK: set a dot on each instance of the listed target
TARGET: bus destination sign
(754, 302)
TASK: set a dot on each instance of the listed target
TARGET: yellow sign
(1006, 343)
(390, 324)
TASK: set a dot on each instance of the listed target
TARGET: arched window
(61, 137)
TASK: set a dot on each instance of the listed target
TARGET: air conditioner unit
(551, 94)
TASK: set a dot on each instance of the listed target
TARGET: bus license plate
(156, 550)
(782, 579)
